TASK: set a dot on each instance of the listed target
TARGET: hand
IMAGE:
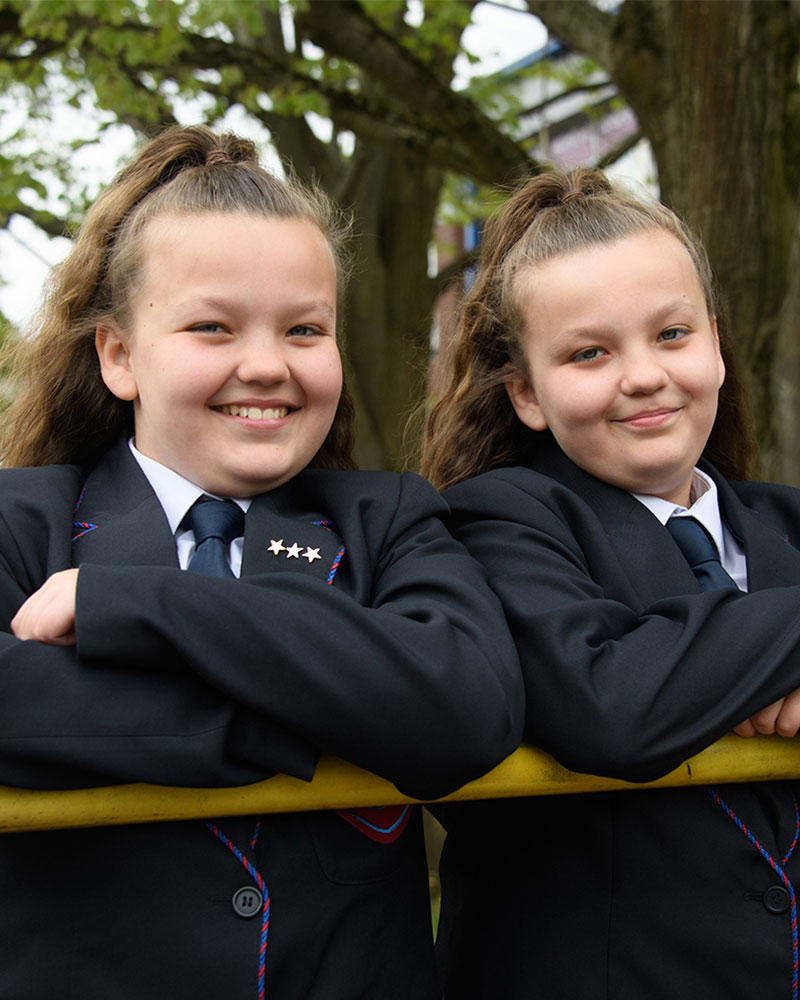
(48, 615)
(781, 717)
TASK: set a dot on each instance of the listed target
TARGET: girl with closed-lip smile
(588, 436)
(198, 588)
(624, 366)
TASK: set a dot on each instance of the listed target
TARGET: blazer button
(247, 901)
(776, 899)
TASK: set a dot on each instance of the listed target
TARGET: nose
(263, 360)
(642, 373)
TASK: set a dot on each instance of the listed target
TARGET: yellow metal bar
(338, 785)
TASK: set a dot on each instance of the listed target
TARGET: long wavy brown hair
(62, 410)
(473, 427)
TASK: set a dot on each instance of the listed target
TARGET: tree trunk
(712, 82)
(388, 308)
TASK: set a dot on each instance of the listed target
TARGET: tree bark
(387, 311)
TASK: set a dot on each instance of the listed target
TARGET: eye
(210, 327)
(672, 334)
(303, 330)
(588, 354)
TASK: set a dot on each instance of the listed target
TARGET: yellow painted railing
(338, 785)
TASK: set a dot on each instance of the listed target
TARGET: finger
(68, 639)
(745, 729)
(764, 721)
(22, 624)
(788, 720)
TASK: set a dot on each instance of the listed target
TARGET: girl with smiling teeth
(188, 347)
(588, 403)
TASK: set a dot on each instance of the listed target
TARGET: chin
(250, 486)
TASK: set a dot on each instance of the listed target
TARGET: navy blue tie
(215, 524)
(700, 552)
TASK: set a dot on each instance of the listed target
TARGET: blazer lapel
(771, 560)
(644, 549)
(118, 519)
(652, 558)
(641, 543)
(279, 540)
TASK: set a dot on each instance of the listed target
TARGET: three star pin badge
(293, 551)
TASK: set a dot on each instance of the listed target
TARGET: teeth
(254, 412)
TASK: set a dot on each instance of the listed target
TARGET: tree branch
(343, 27)
(46, 221)
(580, 24)
(374, 115)
(408, 100)
(582, 88)
(619, 150)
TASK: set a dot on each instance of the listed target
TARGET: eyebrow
(659, 315)
(314, 305)
(214, 302)
(677, 305)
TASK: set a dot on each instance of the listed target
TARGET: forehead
(611, 276)
(169, 230)
(234, 247)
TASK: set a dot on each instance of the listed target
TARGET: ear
(115, 361)
(523, 399)
(720, 362)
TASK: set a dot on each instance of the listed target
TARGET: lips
(649, 418)
(254, 412)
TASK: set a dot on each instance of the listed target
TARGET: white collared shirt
(176, 495)
(705, 509)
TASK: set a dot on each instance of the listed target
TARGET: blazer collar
(118, 520)
(278, 539)
(643, 543)
(771, 560)
(638, 540)
(615, 508)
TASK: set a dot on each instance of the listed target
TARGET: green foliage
(463, 201)
(37, 172)
(499, 94)
(144, 62)
(439, 31)
(16, 178)
(8, 336)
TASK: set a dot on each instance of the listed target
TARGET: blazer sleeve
(63, 725)
(613, 687)
(416, 680)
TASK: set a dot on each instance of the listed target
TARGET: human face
(624, 364)
(230, 355)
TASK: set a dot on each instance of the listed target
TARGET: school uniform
(629, 669)
(358, 628)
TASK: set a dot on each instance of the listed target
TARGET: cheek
(573, 407)
(194, 375)
(706, 381)
(326, 379)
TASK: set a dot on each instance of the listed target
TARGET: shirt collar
(705, 508)
(175, 493)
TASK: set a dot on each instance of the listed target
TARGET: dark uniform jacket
(629, 669)
(377, 641)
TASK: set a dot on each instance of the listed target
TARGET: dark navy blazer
(377, 640)
(629, 669)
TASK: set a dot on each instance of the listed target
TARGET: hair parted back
(473, 427)
(62, 411)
